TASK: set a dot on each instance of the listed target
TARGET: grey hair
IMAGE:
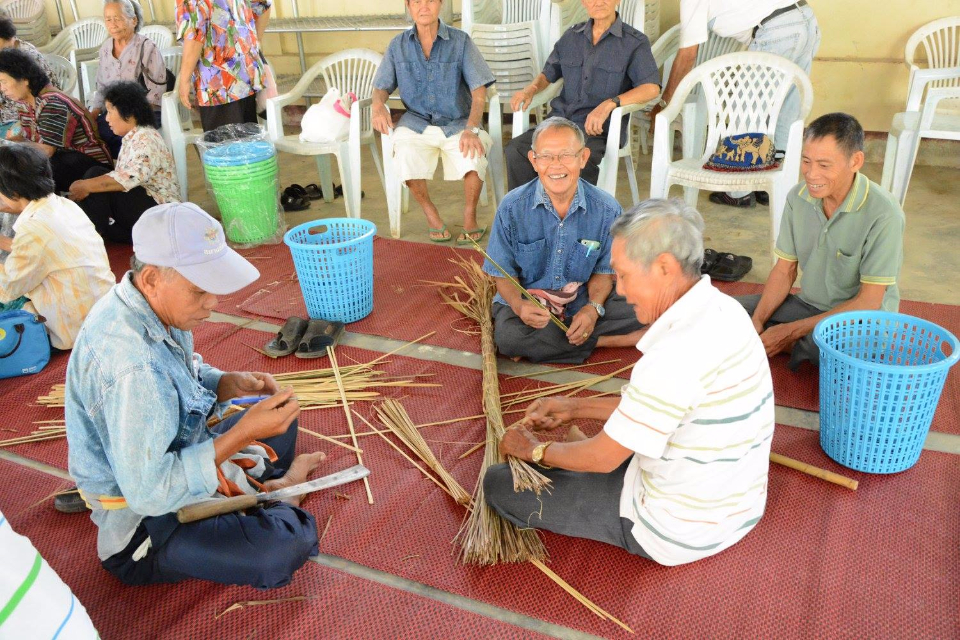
(556, 122)
(137, 266)
(130, 8)
(656, 226)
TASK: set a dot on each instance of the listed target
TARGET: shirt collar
(443, 31)
(31, 210)
(131, 296)
(616, 29)
(855, 199)
(683, 310)
(541, 198)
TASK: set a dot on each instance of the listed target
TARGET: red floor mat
(119, 256)
(27, 490)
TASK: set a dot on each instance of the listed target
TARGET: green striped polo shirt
(698, 415)
(861, 243)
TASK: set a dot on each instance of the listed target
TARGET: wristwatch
(616, 100)
(599, 307)
(662, 104)
(474, 130)
(538, 452)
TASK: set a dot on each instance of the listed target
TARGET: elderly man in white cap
(138, 401)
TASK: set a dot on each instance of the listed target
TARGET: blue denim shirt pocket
(531, 259)
(580, 266)
(408, 76)
(193, 419)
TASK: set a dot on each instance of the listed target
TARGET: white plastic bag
(329, 119)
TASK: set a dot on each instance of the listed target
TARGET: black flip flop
(338, 192)
(320, 334)
(709, 260)
(730, 268)
(292, 202)
(288, 338)
(312, 191)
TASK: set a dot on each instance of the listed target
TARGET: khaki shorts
(416, 154)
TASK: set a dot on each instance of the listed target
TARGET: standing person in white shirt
(785, 28)
(679, 471)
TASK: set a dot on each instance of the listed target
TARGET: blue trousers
(261, 549)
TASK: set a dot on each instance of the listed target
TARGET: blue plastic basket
(334, 262)
(881, 375)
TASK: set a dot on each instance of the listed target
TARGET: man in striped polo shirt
(679, 471)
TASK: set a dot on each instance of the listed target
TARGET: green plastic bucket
(248, 204)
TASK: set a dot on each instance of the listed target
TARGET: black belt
(779, 12)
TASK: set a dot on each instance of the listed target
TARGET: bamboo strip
(330, 440)
(471, 450)
(346, 410)
(553, 370)
(576, 594)
(816, 472)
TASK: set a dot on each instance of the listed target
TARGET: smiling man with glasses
(553, 236)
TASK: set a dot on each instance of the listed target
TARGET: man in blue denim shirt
(604, 63)
(138, 400)
(443, 83)
(553, 236)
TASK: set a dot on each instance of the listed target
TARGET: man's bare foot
(625, 340)
(302, 466)
(575, 435)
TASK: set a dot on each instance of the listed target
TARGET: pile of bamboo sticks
(318, 389)
(50, 430)
(54, 398)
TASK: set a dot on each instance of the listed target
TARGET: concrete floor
(931, 261)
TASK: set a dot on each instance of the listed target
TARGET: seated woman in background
(126, 55)
(9, 114)
(52, 121)
(57, 267)
(145, 175)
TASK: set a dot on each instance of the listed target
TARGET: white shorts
(416, 154)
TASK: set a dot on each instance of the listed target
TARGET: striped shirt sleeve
(56, 124)
(652, 405)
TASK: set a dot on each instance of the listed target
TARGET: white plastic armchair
(30, 18)
(178, 132)
(397, 193)
(743, 93)
(512, 52)
(161, 36)
(79, 41)
(88, 80)
(64, 74)
(350, 70)
(940, 40)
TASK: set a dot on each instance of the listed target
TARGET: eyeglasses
(566, 157)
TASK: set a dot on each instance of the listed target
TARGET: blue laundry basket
(881, 375)
(334, 262)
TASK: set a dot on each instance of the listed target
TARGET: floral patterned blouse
(229, 67)
(140, 56)
(145, 161)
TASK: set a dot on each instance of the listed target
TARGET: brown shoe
(719, 197)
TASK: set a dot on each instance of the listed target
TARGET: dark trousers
(237, 112)
(520, 171)
(114, 213)
(112, 140)
(579, 505)
(262, 549)
(550, 344)
(792, 309)
(69, 166)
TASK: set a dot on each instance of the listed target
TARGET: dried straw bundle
(486, 538)
(395, 417)
(47, 432)
(54, 398)
(318, 388)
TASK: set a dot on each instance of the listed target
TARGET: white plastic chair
(30, 18)
(651, 20)
(64, 74)
(940, 40)
(512, 52)
(743, 93)
(88, 80)
(350, 70)
(79, 42)
(398, 198)
(178, 132)
(480, 12)
(161, 36)
(565, 14)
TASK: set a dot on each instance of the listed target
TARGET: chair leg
(778, 201)
(903, 164)
(690, 195)
(632, 179)
(484, 200)
(326, 177)
(889, 161)
(378, 163)
(180, 161)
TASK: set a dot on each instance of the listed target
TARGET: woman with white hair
(127, 55)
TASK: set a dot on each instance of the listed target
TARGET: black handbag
(169, 80)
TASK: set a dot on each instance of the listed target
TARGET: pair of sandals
(297, 198)
(725, 267)
(304, 338)
(443, 235)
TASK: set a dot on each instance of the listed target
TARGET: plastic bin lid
(239, 153)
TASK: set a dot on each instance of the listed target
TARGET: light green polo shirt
(861, 243)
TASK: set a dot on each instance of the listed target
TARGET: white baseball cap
(183, 236)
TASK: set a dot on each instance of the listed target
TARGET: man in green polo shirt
(842, 230)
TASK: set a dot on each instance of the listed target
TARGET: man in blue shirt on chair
(553, 236)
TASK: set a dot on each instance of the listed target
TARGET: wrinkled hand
(470, 145)
(78, 190)
(582, 325)
(532, 315)
(237, 384)
(519, 443)
(597, 117)
(270, 417)
(545, 414)
(522, 99)
(380, 119)
(777, 339)
(185, 87)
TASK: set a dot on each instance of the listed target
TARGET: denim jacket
(137, 403)
(532, 243)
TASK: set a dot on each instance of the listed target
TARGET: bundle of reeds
(318, 388)
(54, 398)
(395, 417)
(486, 538)
(52, 430)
